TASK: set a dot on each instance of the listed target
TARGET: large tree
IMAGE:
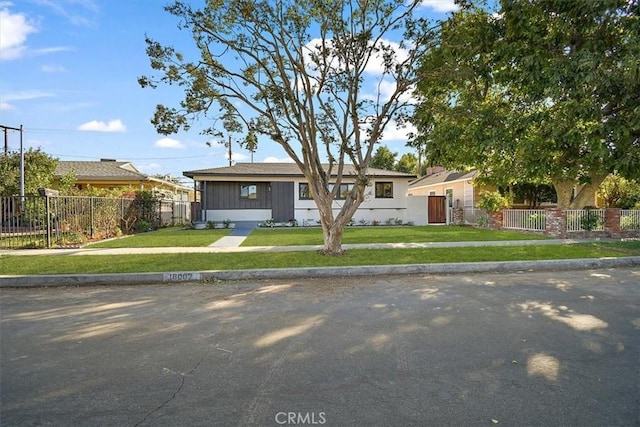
(540, 91)
(39, 169)
(383, 158)
(295, 71)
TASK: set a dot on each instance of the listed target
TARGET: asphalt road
(549, 348)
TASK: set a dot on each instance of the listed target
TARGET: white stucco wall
(258, 215)
(378, 209)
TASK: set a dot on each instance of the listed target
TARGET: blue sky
(68, 74)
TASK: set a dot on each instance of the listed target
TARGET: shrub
(590, 220)
(493, 201)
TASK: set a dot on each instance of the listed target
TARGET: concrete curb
(8, 281)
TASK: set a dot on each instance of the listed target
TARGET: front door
(437, 206)
(282, 209)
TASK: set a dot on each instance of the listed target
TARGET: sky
(68, 75)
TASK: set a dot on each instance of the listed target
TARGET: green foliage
(143, 225)
(534, 194)
(383, 158)
(590, 220)
(300, 82)
(407, 163)
(39, 169)
(67, 183)
(544, 93)
(493, 201)
(630, 223)
(618, 192)
(143, 213)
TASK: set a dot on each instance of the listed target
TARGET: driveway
(553, 348)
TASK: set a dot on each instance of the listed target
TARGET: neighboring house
(279, 191)
(447, 185)
(112, 174)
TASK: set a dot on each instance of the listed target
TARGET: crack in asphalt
(173, 396)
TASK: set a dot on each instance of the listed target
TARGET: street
(535, 349)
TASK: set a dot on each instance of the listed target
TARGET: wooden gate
(437, 206)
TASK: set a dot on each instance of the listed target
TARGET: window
(248, 191)
(303, 190)
(384, 190)
(343, 191)
(449, 193)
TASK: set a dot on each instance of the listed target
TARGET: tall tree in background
(542, 91)
(295, 71)
(407, 163)
(383, 158)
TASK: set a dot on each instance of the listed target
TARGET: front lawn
(165, 237)
(85, 264)
(295, 236)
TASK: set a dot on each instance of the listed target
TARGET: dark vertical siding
(282, 201)
(226, 195)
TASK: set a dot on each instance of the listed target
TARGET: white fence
(524, 219)
(630, 219)
(585, 220)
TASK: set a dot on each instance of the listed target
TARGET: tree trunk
(333, 227)
(585, 196)
(564, 191)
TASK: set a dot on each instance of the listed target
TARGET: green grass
(165, 237)
(417, 234)
(85, 264)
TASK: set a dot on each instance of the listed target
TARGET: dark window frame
(249, 194)
(308, 196)
(384, 190)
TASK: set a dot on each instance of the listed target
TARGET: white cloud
(168, 143)
(52, 68)
(77, 12)
(14, 29)
(394, 133)
(98, 126)
(53, 49)
(24, 95)
(440, 5)
(148, 167)
(272, 159)
(239, 157)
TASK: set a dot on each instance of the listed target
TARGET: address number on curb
(181, 277)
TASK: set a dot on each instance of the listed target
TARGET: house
(111, 174)
(447, 188)
(279, 191)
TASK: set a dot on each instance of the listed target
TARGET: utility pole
(6, 153)
(6, 130)
(229, 144)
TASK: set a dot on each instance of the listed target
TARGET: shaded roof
(282, 169)
(442, 177)
(108, 170)
(99, 170)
